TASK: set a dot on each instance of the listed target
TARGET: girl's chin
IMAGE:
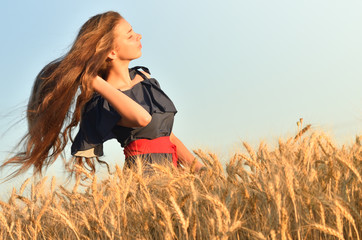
(138, 56)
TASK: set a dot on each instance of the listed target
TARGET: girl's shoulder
(144, 72)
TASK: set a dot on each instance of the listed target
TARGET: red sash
(157, 145)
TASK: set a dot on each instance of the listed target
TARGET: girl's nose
(139, 37)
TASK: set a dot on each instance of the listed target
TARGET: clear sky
(237, 70)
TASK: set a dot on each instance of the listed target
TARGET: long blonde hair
(50, 120)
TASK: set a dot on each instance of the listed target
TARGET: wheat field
(305, 188)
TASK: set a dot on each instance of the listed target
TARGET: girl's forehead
(123, 27)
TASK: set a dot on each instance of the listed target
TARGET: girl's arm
(184, 155)
(133, 114)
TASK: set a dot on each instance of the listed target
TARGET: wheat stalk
(327, 230)
(166, 214)
(179, 215)
(347, 215)
(4, 222)
(64, 216)
(348, 164)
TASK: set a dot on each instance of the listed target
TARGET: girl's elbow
(143, 122)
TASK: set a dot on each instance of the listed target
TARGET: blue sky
(236, 70)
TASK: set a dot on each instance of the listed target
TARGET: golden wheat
(306, 188)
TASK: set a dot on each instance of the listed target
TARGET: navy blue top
(99, 119)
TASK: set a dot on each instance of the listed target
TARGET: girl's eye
(131, 36)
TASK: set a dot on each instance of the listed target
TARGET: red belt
(157, 145)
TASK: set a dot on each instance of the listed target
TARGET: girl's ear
(112, 55)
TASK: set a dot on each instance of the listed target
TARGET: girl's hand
(185, 156)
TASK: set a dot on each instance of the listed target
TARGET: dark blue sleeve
(100, 117)
(98, 120)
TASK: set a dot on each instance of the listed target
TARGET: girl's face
(127, 42)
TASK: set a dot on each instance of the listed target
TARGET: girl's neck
(118, 75)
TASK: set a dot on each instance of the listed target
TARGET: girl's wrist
(198, 166)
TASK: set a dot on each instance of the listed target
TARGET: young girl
(112, 101)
